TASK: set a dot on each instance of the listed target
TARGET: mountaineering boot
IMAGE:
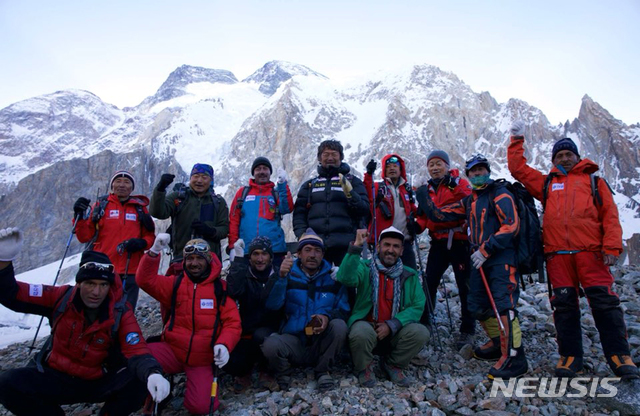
(463, 339)
(490, 351)
(513, 366)
(512, 362)
(569, 366)
(623, 366)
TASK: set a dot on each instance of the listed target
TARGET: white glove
(161, 243)
(282, 176)
(237, 250)
(158, 387)
(220, 355)
(420, 180)
(517, 128)
(10, 243)
(334, 272)
(478, 259)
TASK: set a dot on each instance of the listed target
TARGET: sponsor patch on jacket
(35, 291)
(557, 186)
(130, 216)
(250, 198)
(114, 213)
(206, 303)
(132, 338)
(271, 201)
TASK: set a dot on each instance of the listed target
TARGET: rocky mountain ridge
(60, 146)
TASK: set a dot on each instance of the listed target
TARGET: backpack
(243, 196)
(593, 178)
(98, 212)
(119, 308)
(528, 240)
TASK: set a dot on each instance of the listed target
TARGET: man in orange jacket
(582, 238)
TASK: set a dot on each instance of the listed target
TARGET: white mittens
(161, 243)
(282, 176)
(220, 355)
(158, 387)
(10, 243)
(517, 128)
(478, 259)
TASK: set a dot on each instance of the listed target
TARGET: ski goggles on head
(196, 248)
(92, 265)
(392, 159)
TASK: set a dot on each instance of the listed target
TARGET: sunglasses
(92, 265)
(196, 248)
(392, 159)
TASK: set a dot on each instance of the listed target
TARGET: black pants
(26, 391)
(437, 263)
(247, 353)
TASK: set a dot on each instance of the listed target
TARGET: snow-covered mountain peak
(275, 73)
(177, 82)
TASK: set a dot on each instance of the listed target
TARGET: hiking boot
(267, 382)
(240, 384)
(325, 381)
(396, 375)
(623, 366)
(511, 367)
(569, 366)
(367, 377)
(463, 339)
(490, 351)
(284, 381)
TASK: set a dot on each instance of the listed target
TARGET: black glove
(371, 167)
(412, 226)
(450, 182)
(81, 206)
(203, 229)
(134, 244)
(165, 181)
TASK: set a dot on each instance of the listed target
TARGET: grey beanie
(440, 154)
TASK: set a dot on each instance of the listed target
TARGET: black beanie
(263, 243)
(103, 270)
(564, 144)
(261, 160)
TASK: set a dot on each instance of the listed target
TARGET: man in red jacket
(203, 325)
(449, 242)
(120, 226)
(85, 358)
(394, 204)
(582, 238)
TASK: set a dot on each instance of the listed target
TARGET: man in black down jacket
(334, 204)
(249, 282)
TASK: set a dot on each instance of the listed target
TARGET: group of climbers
(277, 311)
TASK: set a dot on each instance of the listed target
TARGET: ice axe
(503, 331)
(214, 389)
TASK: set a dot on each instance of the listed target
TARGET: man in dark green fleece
(195, 211)
(386, 315)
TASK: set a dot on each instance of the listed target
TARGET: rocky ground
(444, 381)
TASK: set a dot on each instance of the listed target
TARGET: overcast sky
(548, 53)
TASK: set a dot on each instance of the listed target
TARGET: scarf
(393, 273)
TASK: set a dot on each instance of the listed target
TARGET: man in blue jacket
(316, 307)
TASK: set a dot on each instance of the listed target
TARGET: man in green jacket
(386, 315)
(195, 211)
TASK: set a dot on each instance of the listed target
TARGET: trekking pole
(73, 231)
(214, 389)
(493, 303)
(432, 319)
(446, 299)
